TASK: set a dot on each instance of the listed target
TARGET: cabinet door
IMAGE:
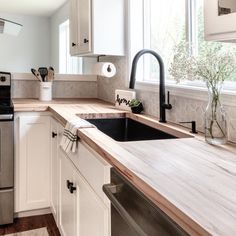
(93, 215)
(33, 164)
(54, 169)
(218, 27)
(73, 27)
(68, 200)
(84, 25)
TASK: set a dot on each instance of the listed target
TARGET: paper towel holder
(98, 58)
(109, 68)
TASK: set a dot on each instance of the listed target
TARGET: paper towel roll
(105, 69)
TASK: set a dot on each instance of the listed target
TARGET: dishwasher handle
(109, 190)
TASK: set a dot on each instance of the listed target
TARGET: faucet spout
(163, 105)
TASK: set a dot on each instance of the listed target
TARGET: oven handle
(110, 190)
(6, 117)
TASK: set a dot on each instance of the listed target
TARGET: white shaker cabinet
(82, 211)
(97, 27)
(93, 214)
(47, 177)
(68, 198)
(219, 27)
(32, 162)
(56, 134)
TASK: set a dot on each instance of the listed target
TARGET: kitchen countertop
(193, 182)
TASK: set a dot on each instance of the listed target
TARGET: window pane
(167, 26)
(67, 64)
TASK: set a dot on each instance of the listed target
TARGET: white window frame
(229, 88)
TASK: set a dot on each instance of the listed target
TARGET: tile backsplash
(184, 109)
(60, 89)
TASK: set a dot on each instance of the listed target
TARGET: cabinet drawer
(93, 168)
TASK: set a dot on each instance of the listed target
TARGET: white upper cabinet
(97, 27)
(220, 18)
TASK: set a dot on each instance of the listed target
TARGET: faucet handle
(167, 105)
(168, 97)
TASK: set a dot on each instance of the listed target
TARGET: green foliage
(134, 103)
(214, 63)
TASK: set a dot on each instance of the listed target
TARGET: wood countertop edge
(186, 222)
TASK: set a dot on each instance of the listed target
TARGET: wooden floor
(30, 223)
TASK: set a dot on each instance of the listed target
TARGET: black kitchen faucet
(163, 104)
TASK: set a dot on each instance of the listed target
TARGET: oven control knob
(3, 79)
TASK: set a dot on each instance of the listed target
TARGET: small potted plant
(136, 106)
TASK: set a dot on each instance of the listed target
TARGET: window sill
(189, 92)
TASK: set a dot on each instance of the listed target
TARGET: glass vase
(215, 117)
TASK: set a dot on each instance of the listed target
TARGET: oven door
(6, 155)
(6, 206)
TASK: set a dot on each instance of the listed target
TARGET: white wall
(56, 19)
(30, 49)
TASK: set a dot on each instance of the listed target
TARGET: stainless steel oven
(6, 150)
(133, 214)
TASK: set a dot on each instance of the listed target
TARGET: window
(67, 64)
(166, 24)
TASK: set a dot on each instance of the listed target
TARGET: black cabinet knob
(72, 189)
(73, 44)
(86, 40)
(68, 184)
(54, 134)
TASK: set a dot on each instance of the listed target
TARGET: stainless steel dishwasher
(132, 214)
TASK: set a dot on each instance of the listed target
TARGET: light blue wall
(30, 49)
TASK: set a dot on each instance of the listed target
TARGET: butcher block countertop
(190, 180)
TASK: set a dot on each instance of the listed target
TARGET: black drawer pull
(70, 186)
(72, 189)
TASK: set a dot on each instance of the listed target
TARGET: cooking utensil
(36, 74)
(51, 68)
(43, 73)
(50, 74)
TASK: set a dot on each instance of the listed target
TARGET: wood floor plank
(30, 223)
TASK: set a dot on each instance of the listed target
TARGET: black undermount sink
(126, 129)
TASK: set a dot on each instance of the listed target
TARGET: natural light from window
(167, 24)
(167, 28)
(67, 64)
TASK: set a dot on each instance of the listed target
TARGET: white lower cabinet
(82, 212)
(56, 134)
(32, 162)
(69, 184)
(68, 201)
(93, 215)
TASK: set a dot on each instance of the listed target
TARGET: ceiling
(31, 7)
